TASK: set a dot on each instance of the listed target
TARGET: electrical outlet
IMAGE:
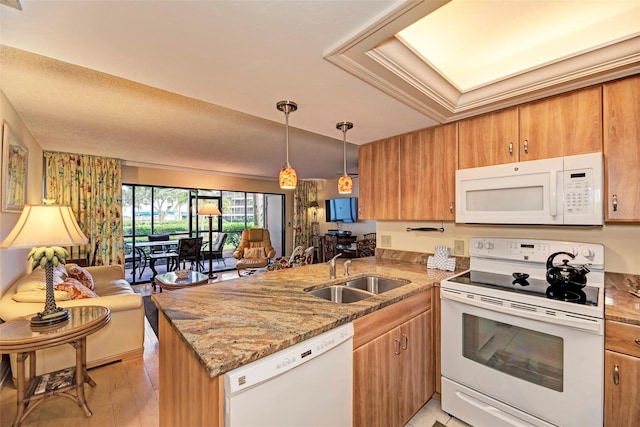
(385, 241)
(458, 247)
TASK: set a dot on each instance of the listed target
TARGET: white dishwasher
(307, 384)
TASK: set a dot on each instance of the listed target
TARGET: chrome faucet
(347, 264)
(332, 267)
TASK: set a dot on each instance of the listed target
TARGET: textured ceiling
(194, 84)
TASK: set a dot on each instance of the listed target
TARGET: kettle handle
(552, 256)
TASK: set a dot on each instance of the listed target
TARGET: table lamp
(45, 229)
(209, 209)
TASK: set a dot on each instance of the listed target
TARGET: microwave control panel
(578, 192)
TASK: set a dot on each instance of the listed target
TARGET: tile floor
(430, 413)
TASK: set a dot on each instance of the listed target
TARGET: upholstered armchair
(255, 249)
(299, 257)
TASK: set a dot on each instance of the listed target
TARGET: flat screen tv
(341, 210)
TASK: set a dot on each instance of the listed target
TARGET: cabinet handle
(526, 146)
(614, 202)
(616, 374)
(398, 346)
(406, 341)
(451, 207)
(511, 148)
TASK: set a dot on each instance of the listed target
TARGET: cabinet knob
(526, 146)
(406, 341)
(451, 207)
(398, 347)
(614, 202)
(616, 374)
(511, 148)
(637, 341)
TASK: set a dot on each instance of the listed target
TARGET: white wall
(621, 241)
(13, 262)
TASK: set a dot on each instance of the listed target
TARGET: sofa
(122, 338)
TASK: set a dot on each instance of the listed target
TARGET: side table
(17, 336)
(170, 281)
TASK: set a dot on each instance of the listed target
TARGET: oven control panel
(535, 251)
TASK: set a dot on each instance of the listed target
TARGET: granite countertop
(229, 324)
(620, 304)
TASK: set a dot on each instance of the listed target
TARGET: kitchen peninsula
(212, 329)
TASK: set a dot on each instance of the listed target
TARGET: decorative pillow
(37, 280)
(81, 275)
(39, 296)
(254, 253)
(75, 289)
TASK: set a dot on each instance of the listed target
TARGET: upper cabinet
(428, 160)
(560, 126)
(409, 177)
(491, 139)
(622, 149)
(379, 179)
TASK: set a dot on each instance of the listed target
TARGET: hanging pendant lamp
(345, 185)
(288, 178)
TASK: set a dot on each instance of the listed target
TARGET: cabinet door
(376, 376)
(622, 149)
(417, 385)
(428, 160)
(562, 126)
(621, 401)
(379, 179)
(490, 139)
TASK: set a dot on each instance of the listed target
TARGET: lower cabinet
(393, 371)
(621, 375)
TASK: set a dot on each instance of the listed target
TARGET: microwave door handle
(553, 194)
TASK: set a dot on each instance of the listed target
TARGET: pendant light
(345, 185)
(288, 178)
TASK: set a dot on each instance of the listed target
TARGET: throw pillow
(39, 296)
(254, 253)
(37, 280)
(81, 275)
(75, 289)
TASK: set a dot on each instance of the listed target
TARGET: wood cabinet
(490, 139)
(621, 374)
(428, 160)
(410, 176)
(393, 363)
(379, 179)
(563, 125)
(333, 244)
(621, 111)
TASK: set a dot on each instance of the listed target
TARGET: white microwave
(558, 191)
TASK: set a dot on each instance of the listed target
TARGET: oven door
(548, 371)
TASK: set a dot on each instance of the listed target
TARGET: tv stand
(333, 244)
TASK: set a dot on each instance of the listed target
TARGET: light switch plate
(385, 241)
(458, 247)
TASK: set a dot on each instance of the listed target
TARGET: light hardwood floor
(126, 395)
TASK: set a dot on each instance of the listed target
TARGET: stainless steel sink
(340, 294)
(374, 284)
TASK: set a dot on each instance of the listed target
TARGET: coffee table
(170, 281)
(17, 336)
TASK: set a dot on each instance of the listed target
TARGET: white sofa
(122, 338)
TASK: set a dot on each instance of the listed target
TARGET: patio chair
(216, 250)
(254, 251)
(189, 250)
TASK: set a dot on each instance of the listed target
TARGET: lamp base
(59, 315)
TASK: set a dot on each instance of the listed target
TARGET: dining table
(169, 252)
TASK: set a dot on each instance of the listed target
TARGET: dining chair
(189, 250)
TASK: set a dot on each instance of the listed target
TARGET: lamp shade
(45, 225)
(288, 178)
(314, 204)
(209, 209)
(345, 185)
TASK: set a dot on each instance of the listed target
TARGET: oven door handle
(481, 301)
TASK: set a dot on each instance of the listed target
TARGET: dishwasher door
(307, 384)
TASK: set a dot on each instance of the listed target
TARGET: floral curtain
(92, 186)
(303, 195)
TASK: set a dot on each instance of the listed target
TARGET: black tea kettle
(565, 275)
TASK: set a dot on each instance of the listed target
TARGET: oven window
(523, 353)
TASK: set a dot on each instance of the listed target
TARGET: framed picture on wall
(15, 161)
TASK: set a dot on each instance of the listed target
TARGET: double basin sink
(357, 289)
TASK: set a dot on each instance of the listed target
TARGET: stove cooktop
(522, 284)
